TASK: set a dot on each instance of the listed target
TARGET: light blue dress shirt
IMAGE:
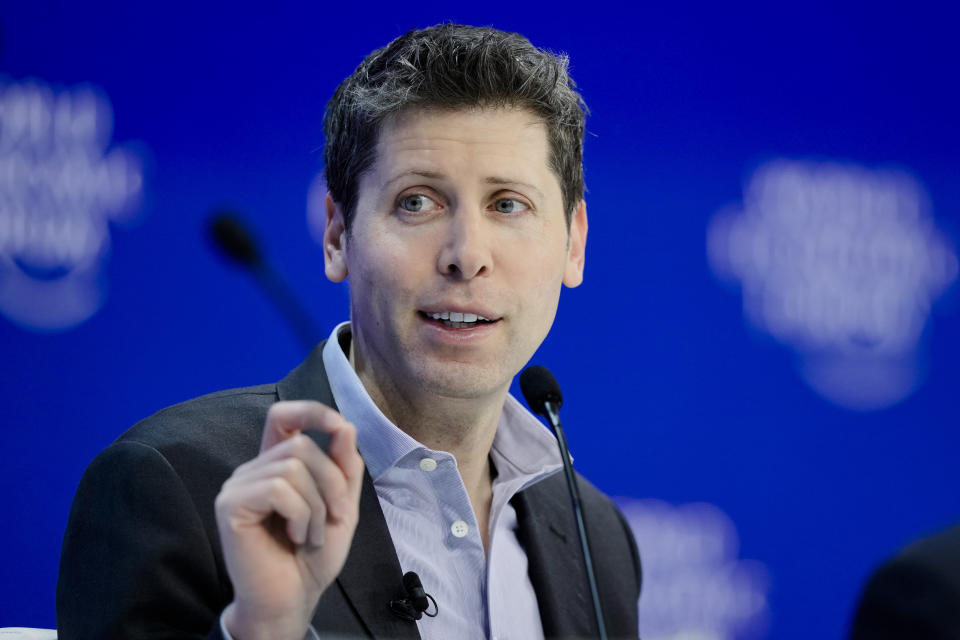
(431, 520)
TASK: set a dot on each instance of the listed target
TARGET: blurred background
(761, 364)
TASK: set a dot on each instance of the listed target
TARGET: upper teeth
(456, 316)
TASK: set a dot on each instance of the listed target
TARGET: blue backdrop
(772, 431)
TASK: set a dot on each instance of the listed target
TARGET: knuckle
(299, 445)
(318, 408)
(288, 466)
(223, 503)
(277, 407)
(273, 412)
(292, 468)
(276, 486)
(228, 486)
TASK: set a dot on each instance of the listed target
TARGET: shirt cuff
(310, 635)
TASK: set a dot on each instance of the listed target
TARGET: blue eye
(509, 205)
(417, 203)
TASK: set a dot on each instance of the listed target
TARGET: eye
(418, 203)
(510, 205)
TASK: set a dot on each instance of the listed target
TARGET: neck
(463, 427)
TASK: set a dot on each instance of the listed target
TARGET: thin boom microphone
(232, 238)
(539, 387)
(542, 393)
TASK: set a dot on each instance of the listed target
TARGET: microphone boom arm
(550, 411)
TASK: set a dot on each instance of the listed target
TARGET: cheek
(385, 275)
(538, 277)
(539, 265)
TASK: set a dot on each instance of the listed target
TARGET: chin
(464, 381)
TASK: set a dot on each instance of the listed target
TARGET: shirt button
(459, 528)
(428, 464)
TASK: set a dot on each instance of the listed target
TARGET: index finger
(288, 418)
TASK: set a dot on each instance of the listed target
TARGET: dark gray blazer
(141, 555)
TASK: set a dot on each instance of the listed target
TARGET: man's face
(456, 253)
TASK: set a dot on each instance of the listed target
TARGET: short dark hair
(451, 66)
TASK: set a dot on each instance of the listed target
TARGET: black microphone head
(539, 387)
(411, 582)
(232, 238)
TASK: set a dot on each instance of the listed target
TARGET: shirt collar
(524, 451)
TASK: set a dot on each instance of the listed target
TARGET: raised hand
(286, 520)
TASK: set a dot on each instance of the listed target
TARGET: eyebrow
(423, 174)
(434, 175)
(507, 181)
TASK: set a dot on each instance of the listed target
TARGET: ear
(576, 247)
(334, 242)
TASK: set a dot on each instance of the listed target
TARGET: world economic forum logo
(842, 264)
(695, 585)
(60, 186)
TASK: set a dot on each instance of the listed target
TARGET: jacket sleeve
(137, 561)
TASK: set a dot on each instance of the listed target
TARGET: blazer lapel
(308, 381)
(547, 530)
(371, 576)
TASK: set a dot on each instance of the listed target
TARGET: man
(453, 159)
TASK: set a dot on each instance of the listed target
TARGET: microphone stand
(553, 417)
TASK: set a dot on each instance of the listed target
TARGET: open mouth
(457, 320)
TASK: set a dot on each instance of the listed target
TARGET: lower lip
(440, 331)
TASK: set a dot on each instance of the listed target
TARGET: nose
(466, 251)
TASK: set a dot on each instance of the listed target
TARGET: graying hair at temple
(452, 66)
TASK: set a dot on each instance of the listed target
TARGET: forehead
(509, 139)
(422, 119)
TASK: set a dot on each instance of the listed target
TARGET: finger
(285, 449)
(329, 481)
(252, 504)
(298, 475)
(343, 451)
(285, 419)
